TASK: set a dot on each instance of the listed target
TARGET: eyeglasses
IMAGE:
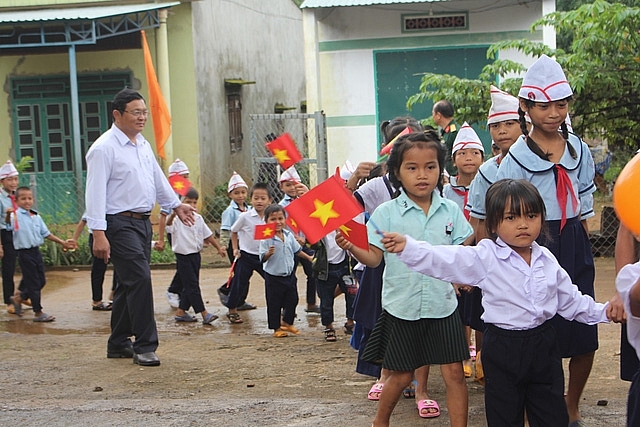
(138, 113)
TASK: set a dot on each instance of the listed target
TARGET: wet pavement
(235, 375)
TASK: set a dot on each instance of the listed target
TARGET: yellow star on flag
(179, 185)
(267, 232)
(293, 222)
(345, 230)
(324, 211)
(281, 155)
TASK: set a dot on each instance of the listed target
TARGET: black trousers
(33, 278)
(132, 313)
(98, 270)
(245, 266)
(282, 297)
(8, 265)
(188, 270)
(523, 369)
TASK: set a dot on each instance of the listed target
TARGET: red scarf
(564, 187)
(464, 193)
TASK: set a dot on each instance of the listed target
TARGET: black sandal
(330, 335)
(102, 307)
(348, 328)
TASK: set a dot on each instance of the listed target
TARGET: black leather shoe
(146, 359)
(121, 353)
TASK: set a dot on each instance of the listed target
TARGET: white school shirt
(245, 226)
(374, 193)
(187, 240)
(515, 295)
(627, 277)
(522, 163)
(478, 189)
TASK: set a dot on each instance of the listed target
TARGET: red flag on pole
(323, 209)
(160, 115)
(180, 184)
(264, 231)
(284, 150)
(355, 233)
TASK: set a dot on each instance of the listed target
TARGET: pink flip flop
(428, 408)
(375, 392)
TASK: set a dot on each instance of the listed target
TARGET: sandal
(17, 307)
(280, 333)
(375, 391)
(209, 318)
(44, 317)
(102, 307)
(410, 391)
(289, 328)
(234, 318)
(428, 408)
(330, 335)
(348, 328)
(186, 318)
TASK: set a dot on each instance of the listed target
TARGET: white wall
(253, 40)
(340, 77)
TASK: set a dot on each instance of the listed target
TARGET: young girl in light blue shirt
(420, 324)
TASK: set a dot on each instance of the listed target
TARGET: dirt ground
(234, 375)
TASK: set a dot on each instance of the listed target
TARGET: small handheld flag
(264, 231)
(387, 148)
(180, 184)
(284, 150)
(355, 233)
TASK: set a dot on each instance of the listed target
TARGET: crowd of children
(501, 249)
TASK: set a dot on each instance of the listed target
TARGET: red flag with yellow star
(264, 231)
(293, 225)
(323, 209)
(180, 184)
(356, 233)
(284, 150)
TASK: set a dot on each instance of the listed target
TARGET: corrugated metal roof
(79, 13)
(345, 3)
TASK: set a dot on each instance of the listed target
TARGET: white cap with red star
(467, 138)
(235, 182)
(7, 170)
(545, 82)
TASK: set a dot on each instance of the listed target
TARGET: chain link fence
(308, 132)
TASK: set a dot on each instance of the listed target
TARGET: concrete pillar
(162, 58)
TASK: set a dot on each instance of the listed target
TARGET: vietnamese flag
(264, 231)
(355, 233)
(323, 209)
(180, 184)
(160, 115)
(293, 225)
(284, 150)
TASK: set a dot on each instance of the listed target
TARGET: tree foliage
(602, 65)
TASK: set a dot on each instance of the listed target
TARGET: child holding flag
(246, 249)
(277, 254)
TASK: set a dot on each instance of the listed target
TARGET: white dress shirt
(123, 176)
(186, 239)
(627, 277)
(245, 226)
(515, 295)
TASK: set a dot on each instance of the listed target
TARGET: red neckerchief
(464, 193)
(564, 187)
(14, 206)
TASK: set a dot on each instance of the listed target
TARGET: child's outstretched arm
(370, 258)
(393, 242)
(211, 239)
(302, 254)
(66, 244)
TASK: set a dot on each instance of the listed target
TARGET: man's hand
(101, 247)
(185, 213)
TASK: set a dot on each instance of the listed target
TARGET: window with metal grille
(437, 21)
(234, 107)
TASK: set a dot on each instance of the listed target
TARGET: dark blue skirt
(572, 249)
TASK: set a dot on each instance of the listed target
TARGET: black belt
(136, 215)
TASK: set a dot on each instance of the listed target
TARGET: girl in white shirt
(523, 287)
